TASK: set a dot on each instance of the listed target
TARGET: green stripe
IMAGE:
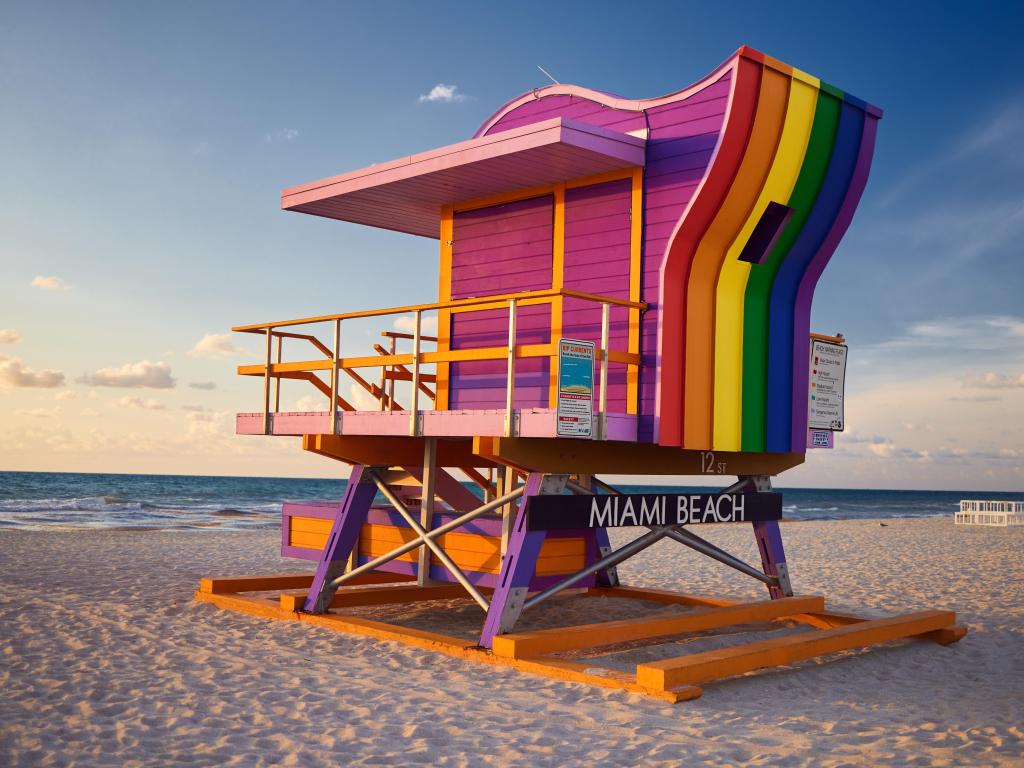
(759, 285)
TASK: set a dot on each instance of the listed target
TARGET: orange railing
(397, 366)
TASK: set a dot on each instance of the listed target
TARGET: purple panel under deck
(682, 138)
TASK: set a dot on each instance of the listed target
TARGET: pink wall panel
(501, 249)
(597, 231)
(683, 135)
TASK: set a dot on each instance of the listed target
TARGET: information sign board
(575, 412)
(827, 377)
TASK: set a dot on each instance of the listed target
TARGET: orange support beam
(523, 644)
(699, 668)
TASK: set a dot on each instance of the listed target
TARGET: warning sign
(827, 373)
(575, 412)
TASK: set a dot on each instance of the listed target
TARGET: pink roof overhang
(407, 195)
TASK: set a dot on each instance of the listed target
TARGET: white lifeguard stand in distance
(1000, 514)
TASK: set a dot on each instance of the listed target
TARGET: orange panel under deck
(470, 552)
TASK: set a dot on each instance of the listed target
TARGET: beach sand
(105, 659)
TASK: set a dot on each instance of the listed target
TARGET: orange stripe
(707, 263)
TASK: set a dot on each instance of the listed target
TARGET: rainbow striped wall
(752, 178)
(735, 353)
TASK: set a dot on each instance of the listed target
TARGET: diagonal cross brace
(428, 540)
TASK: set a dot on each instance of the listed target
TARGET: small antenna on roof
(548, 75)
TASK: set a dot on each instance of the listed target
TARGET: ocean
(35, 500)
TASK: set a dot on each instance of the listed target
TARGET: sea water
(77, 500)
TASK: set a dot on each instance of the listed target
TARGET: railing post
(602, 420)
(266, 383)
(510, 388)
(277, 379)
(414, 426)
(334, 377)
(391, 382)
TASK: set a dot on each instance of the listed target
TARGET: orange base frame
(672, 680)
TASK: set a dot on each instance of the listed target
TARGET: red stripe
(679, 256)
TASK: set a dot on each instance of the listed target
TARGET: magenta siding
(683, 135)
(597, 232)
(501, 249)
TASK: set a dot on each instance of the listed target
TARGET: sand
(105, 659)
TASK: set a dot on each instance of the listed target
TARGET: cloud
(14, 373)
(443, 94)
(132, 375)
(39, 413)
(49, 283)
(215, 345)
(407, 323)
(138, 402)
(202, 385)
(66, 395)
(993, 380)
(195, 408)
(281, 135)
(311, 404)
(9, 336)
(974, 398)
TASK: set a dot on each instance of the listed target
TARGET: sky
(144, 146)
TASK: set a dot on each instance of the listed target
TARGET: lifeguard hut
(625, 287)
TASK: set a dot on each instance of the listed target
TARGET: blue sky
(144, 147)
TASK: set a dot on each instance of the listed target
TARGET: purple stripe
(805, 292)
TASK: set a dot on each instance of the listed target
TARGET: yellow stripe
(732, 281)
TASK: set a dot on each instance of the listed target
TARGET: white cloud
(311, 404)
(132, 375)
(14, 373)
(66, 395)
(39, 413)
(9, 336)
(49, 283)
(215, 345)
(281, 134)
(407, 323)
(202, 385)
(362, 400)
(444, 94)
(993, 380)
(138, 402)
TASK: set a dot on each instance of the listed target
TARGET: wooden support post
(266, 384)
(427, 505)
(277, 381)
(602, 416)
(333, 407)
(348, 521)
(506, 482)
(510, 387)
(414, 417)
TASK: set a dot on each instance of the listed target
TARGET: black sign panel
(550, 513)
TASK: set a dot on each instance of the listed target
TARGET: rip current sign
(552, 513)
(575, 413)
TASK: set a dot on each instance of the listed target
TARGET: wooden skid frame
(672, 680)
